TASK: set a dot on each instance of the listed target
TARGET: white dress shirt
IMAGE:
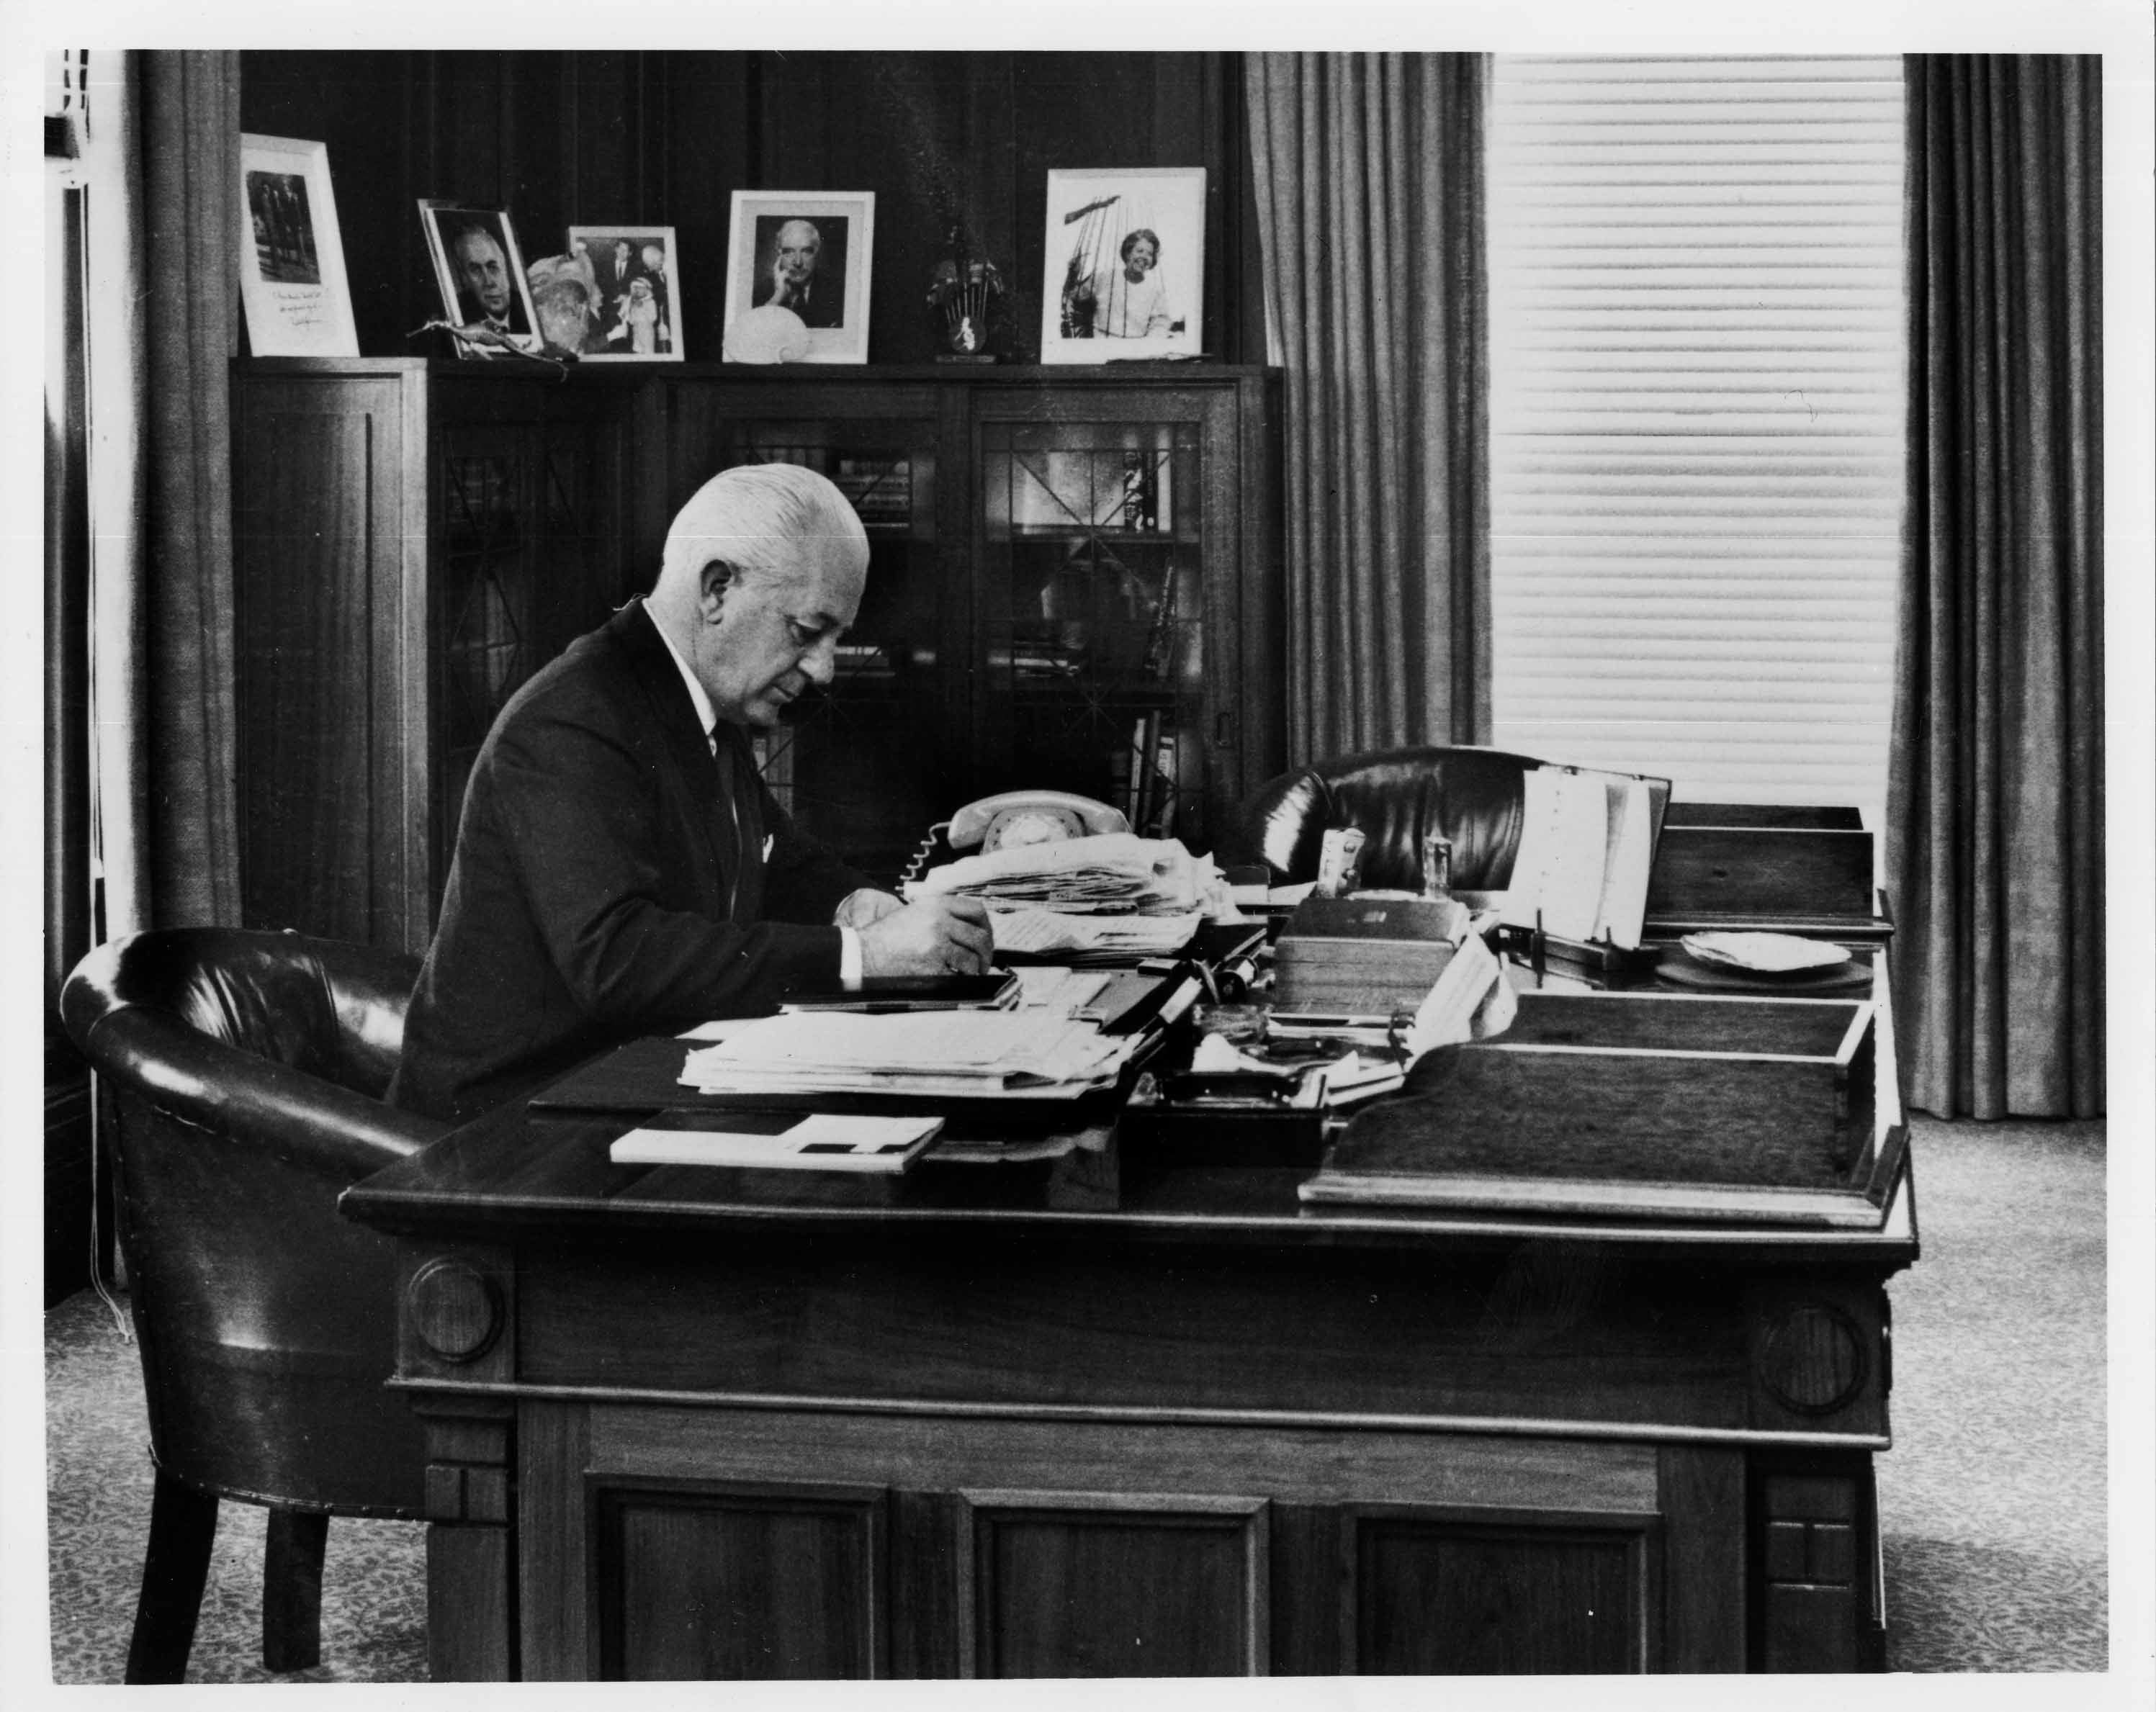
(850, 938)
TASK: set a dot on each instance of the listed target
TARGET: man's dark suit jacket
(598, 890)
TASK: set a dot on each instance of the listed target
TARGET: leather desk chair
(1473, 796)
(247, 1071)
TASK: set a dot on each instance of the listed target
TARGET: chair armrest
(303, 1120)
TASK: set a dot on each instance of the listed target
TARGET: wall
(663, 139)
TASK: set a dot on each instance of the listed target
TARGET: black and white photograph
(291, 274)
(479, 270)
(634, 293)
(803, 256)
(1125, 265)
(284, 229)
(1394, 961)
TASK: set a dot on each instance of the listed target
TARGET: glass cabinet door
(857, 764)
(1093, 620)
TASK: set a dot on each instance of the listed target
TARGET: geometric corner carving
(455, 1310)
(1812, 1361)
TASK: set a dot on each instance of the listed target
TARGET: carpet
(1991, 1502)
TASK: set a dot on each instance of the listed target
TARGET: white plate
(1765, 953)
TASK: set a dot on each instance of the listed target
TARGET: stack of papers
(1088, 939)
(1110, 895)
(1032, 1053)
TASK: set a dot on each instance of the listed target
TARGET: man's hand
(935, 936)
(782, 287)
(865, 908)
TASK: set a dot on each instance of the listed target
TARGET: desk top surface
(519, 1175)
(526, 1173)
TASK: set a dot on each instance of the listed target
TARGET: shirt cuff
(850, 959)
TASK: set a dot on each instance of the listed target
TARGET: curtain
(162, 335)
(1995, 798)
(1368, 175)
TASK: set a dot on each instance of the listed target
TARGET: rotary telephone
(1013, 817)
(1030, 817)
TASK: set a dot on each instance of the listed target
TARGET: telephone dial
(1030, 817)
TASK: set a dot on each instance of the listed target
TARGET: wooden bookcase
(1073, 572)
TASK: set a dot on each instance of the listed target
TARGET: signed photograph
(291, 268)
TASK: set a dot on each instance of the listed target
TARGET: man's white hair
(759, 518)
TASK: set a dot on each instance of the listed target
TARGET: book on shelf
(1164, 782)
(880, 489)
(1137, 809)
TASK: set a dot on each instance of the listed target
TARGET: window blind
(1697, 362)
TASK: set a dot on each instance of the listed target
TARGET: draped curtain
(1368, 175)
(1995, 809)
(162, 331)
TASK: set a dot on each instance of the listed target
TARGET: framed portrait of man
(1125, 265)
(634, 291)
(806, 254)
(480, 271)
(291, 263)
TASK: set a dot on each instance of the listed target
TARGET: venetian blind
(1697, 362)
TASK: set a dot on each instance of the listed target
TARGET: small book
(824, 1141)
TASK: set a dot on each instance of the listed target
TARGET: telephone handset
(1031, 817)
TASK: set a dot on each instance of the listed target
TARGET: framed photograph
(291, 271)
(634, 312)
(1125, 268)
(480, 269)
(806, 252)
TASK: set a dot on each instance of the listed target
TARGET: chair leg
(182, 1528)
(292, 1589)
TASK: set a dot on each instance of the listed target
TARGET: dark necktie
(726, 828)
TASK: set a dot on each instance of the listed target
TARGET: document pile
(1110, 896)
(1025, 1053)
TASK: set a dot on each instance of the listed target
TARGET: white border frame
(286, 318)
(847, 343)
(1172, 200)
(433, 211)
(663, 237)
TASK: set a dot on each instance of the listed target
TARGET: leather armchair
(247, 1071)
(1473, 796)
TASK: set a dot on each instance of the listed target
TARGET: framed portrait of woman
(1124, 264)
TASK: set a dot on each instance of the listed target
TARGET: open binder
(1586, 853)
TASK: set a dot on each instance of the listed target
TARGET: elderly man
(620, 868)
(794, 284)
(485, 292)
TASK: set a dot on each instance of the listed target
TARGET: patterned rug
(1992, 1501)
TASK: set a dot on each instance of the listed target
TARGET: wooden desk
(979, 1422)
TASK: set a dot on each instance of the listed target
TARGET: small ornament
(963, 291)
